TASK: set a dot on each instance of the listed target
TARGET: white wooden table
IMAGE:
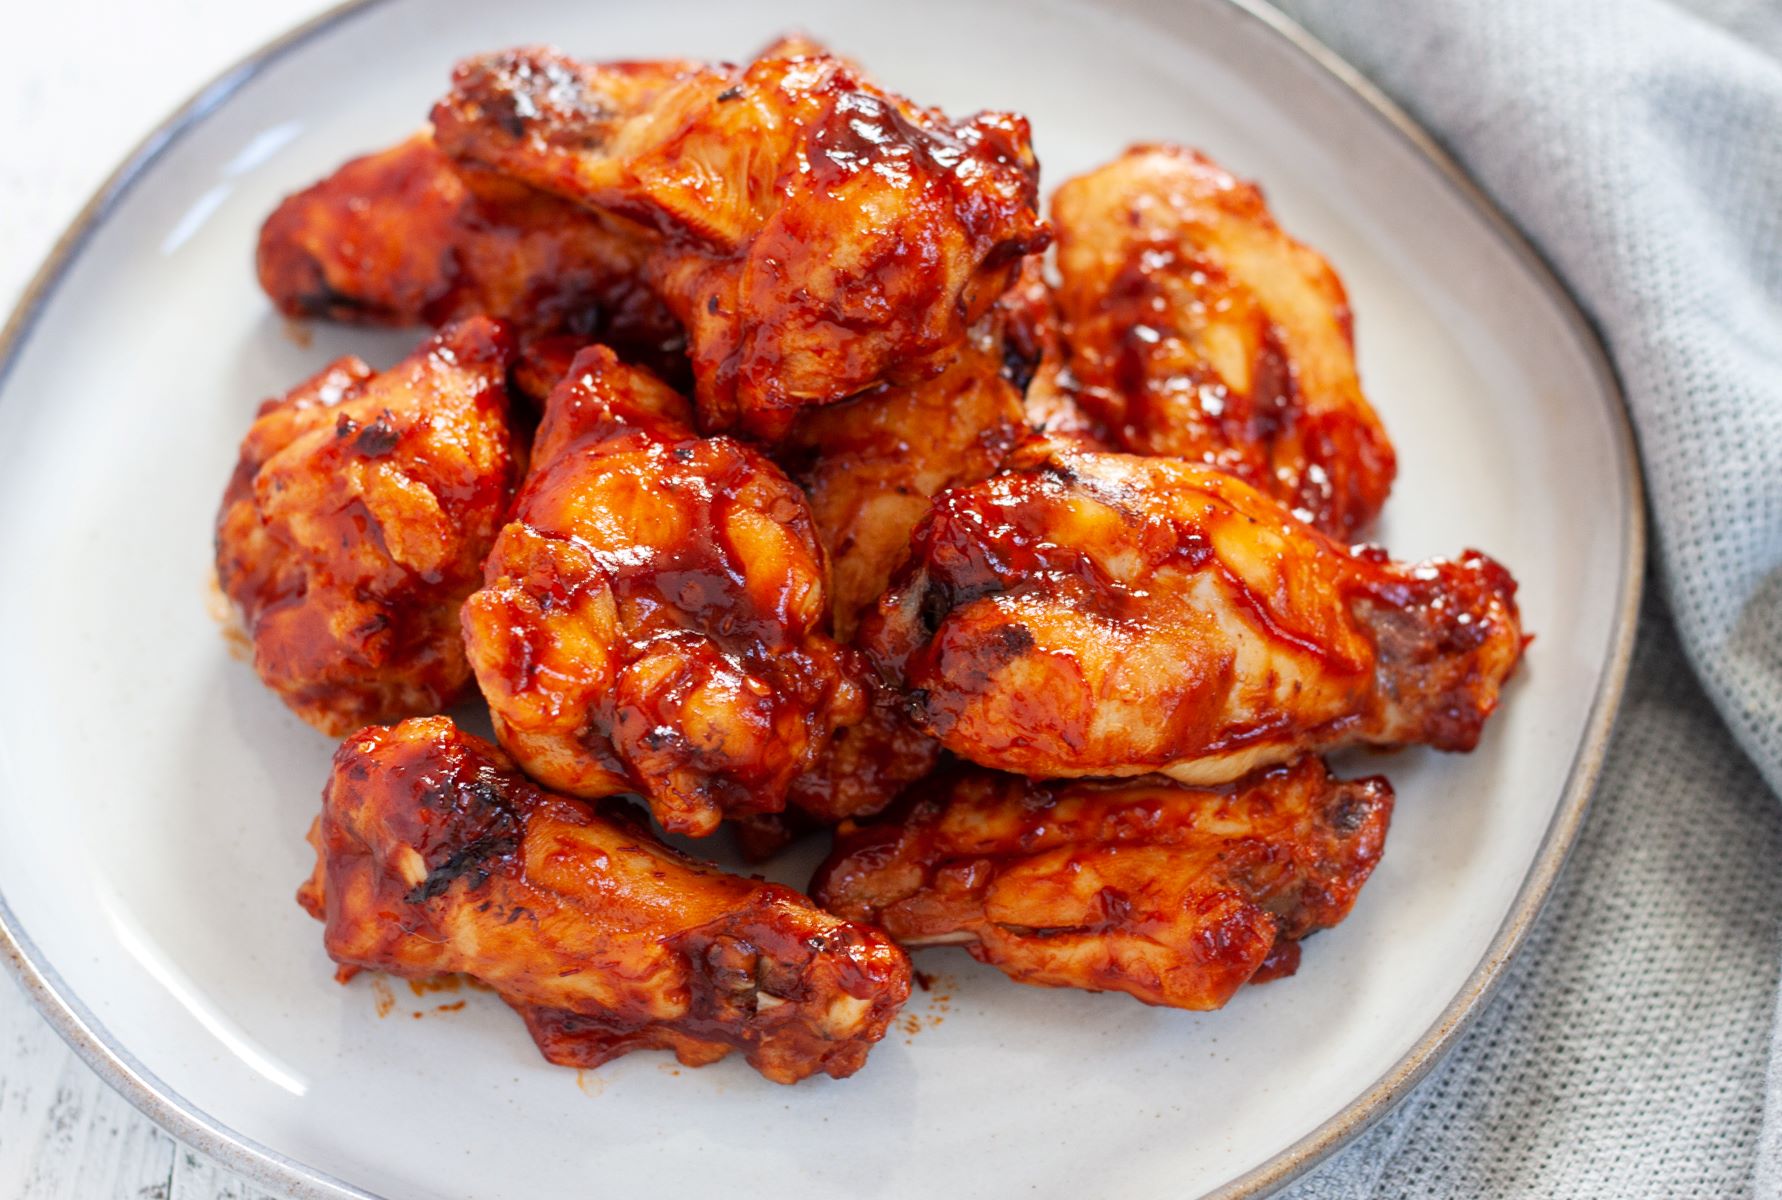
(81, 82)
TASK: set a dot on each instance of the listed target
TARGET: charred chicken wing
(406, 237)
(1197, 329)
(652, 619)
(1176, 895)
(433, 855)
(1105, 614)
(816, 235)
(357, 521)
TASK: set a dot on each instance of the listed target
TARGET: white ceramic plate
(154, 797)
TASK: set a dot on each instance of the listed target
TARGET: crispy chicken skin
(407, 237)
(434, 855)
(1106, 614)
(815, 235)
(1197, 329)
(652, 618)
(357, 521)
(1176, 895)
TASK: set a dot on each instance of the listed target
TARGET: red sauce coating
(1102, 614)
(434, 855)
(406, 236)
(357, 520)
(653, 617)
(1192, 326)
(1172, 894)
(815, 235)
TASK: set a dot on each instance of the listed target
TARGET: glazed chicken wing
(407, 236)
(1173, 894)
(1197, 329)
(652, 619)
(816, 235)
(866, 764)
(1034, 360)
(357, 521)
(1105, 614)
(433, 855)
(869, 466)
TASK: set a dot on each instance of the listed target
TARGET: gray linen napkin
(1633, 1050)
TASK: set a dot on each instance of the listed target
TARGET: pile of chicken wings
(775, 463)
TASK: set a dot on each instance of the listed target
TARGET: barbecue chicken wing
(652, 619)
(1173, 894)
(433, 855)
(357, 521)
(866, 764)
(870, 467)
(406, 236)
(1034, 360)
(1197, 329)
(1105, 614)
(815, 235)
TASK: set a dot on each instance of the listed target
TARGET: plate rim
(261, 1164)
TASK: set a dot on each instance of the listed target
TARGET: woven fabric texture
(1634, 1050)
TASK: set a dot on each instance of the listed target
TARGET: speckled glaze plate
(154, 797)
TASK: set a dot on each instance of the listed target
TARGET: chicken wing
(433, 855)
(866, 764)
(815, 235)
(357, 521)
(406, 236)
(1197, 329)
(1173, 894)
(652, 619)
(870, 465)
(1034, 361)
(1105, 614)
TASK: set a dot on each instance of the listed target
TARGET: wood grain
(65, 1135)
